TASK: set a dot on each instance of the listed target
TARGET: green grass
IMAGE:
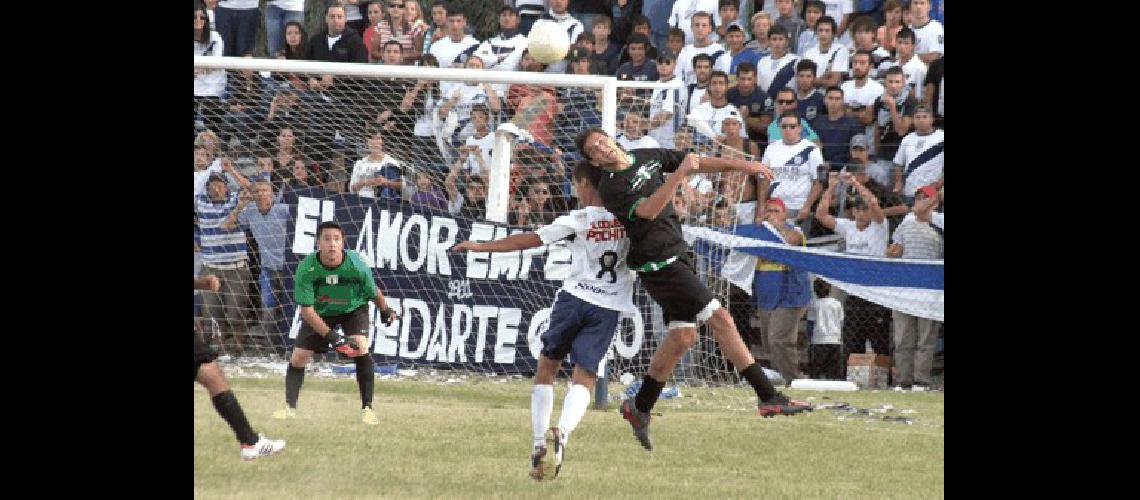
(472, 440)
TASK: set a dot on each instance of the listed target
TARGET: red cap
(777, 201)
(930, 191)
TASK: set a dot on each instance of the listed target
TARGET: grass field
(472, 440)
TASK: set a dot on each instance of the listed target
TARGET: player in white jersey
(585, 315)
(919, 158)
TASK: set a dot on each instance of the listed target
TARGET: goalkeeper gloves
(386, 316)
(343, 345)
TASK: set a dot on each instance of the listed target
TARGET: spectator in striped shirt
(395, 26)
(224, 254)
(914, 337)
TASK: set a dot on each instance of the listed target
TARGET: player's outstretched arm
(521, 241)
(714, 165)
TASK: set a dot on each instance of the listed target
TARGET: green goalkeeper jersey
(332, 292)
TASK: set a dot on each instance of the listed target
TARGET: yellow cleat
(285, 413)
(368, 416)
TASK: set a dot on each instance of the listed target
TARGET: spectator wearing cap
(919, 158)
(734, 41)
(734, 144)
(782, 293)
(506, 47)
(915, 337)
(666, 112)
(640, 26)
(795, 163)
(754, 104)
(892, 204)
(225, 254)
(837, 130)
(639, 68)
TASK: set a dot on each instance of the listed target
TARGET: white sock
(573, 409)
(541, 406)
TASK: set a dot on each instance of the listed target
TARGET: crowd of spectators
(863, 80)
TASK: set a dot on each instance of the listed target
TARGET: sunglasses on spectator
(789, 125)
(787, 101)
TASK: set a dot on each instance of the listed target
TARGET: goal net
(410, 160)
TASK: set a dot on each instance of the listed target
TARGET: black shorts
(678, 290)
(353, 323)
(202, 354)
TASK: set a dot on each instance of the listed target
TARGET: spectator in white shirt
(449, 51)
(928, 32)
(633, 135)
(377, 172)
(825, 356)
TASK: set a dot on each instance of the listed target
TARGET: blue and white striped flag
(915, 287)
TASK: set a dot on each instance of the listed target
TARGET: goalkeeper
(332, 286)
(584, 317)
(634, 189)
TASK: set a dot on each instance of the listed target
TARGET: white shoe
(556, 441)
(263, 448)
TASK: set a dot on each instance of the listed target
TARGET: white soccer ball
(548, 42)
(626, 378)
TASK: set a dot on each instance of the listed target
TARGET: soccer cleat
(781, 405)
(285, 413)
(556, 440)
(264, 447)
(538, 463)
(368, 416)
(640, 422)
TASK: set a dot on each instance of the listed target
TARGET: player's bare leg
(365, 379)
(211, 376)
(728, 338)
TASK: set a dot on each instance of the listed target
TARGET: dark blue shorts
(580, 329)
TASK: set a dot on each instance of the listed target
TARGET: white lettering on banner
(309, 211)
(386, 335)
(461, 323)
(527, 255)
(483, 314)
(422, 252)
(557, 265)
(459, 289)
(507, 334)
(539, 323)
(437, 252)
(630, 350)
(365, 245)
(478, 262)
(504, 263)
(421, 308)
(387, 237)
(437, 344)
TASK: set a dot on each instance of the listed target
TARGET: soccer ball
(548, 42)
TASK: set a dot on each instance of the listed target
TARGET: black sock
(365, 378)
(227, 406)
(754, 374)
(294, 377)
(648, 393)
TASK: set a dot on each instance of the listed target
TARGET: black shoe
(640, 422)
(781, 405)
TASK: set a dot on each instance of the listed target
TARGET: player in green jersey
(333, 286)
